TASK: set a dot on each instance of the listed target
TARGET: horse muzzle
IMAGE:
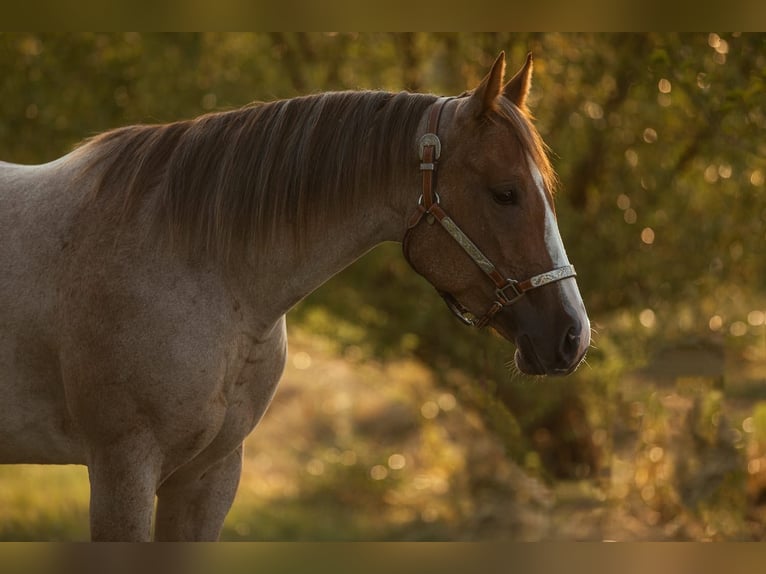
(567, 356)
(550, 329)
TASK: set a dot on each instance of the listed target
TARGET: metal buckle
(503, 297)
(430, 139)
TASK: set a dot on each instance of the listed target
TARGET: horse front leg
(123, 481)
(194, 506)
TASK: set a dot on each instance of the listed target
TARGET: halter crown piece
(507, 291)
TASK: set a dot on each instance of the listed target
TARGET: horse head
(491, 245)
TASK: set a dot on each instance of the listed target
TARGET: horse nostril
(571, 343)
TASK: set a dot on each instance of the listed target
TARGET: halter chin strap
(507, 291)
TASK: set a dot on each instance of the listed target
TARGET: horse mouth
(526, 359)
(529, 363)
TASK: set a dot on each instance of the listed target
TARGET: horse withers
(146, 275)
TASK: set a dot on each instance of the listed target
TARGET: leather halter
(507, 291)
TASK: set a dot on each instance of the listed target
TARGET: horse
(147, 273)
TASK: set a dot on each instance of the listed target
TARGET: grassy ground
(355, 449)
(43, 502)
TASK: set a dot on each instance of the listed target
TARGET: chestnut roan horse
(145, 276)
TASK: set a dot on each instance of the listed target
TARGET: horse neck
(288, 271)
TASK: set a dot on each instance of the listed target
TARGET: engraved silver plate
(553, 276)
(467, 245)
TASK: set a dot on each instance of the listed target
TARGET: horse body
(104, 340)
(109, 347)
(150, 361)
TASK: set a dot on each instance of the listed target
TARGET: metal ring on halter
(465, 316)
(437, 199)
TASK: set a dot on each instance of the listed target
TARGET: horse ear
(517, 88)
(484, 96)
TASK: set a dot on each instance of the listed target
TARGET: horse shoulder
(36, 210)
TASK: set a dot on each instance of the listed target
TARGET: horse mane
(222, 181)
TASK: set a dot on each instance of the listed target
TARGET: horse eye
(505, 196)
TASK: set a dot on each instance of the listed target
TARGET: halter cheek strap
(507, 291)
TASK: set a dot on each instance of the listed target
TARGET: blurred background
(394, 422)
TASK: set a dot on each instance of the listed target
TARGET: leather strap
(430, 151)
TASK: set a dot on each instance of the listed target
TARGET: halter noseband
(507, 291)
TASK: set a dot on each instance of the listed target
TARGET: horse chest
(249, 392)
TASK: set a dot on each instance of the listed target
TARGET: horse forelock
(531, 141)
(219, 183)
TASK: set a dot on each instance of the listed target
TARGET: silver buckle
(430, 139)
(503, 297)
